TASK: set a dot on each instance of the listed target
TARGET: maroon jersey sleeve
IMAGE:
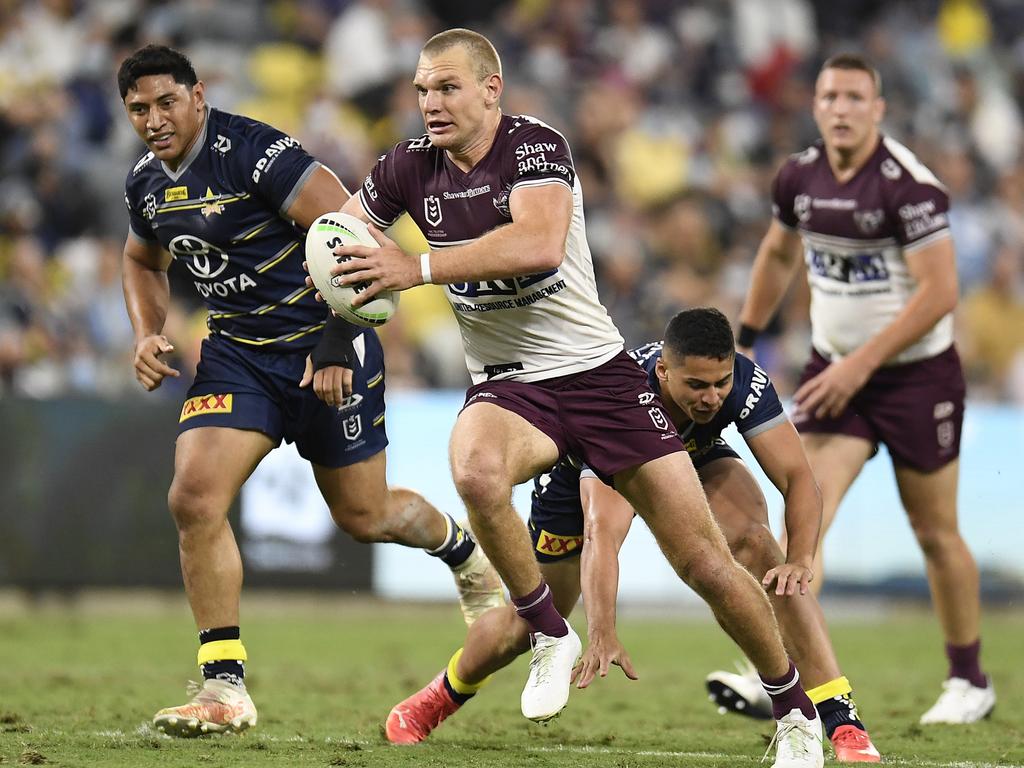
(921, 211)
(381, 192)
(783, 195)
(538, 154)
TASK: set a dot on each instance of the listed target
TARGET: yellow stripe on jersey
(277, 258)
(838, 687)
(263, 342)
(379, 420)
(221, 650)
(375, 380)
(190, 205)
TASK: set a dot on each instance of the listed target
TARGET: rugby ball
(327, 233)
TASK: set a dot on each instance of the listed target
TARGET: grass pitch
(79, 682)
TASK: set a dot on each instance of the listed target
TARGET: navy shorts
(244, 388)
(608, 416)
(916, 410)
(556, 513)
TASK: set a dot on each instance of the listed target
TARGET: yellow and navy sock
(222, 655)
(835, 705)
(457, 545)
(459, 690)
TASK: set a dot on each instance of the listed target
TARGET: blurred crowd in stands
(678, 112)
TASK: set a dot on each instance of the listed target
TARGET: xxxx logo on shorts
(553, 544)
(205, 405)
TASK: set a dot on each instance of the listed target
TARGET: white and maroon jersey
(855, 237)
(525, 327)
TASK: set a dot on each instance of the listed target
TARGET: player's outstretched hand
(601, 652)
(150, 370)
(385, 268)
(789, 579)
(332, 384)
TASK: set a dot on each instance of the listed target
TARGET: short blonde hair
(481, 52)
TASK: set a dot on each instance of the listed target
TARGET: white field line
(144, 729)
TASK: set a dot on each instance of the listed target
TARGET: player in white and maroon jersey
(871, 222)
(498, 199)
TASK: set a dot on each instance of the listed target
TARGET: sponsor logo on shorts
(205, 405)
(553, 544)
(943, 410)
(482, 394)
(659, 418)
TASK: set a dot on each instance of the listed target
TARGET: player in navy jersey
(705, 387)
(230, 199)
(872, 224)
(498, 200)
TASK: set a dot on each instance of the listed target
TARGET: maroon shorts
(608, 416)
(916, 410)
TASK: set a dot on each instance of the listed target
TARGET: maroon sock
(965, 662)
(787, 694)
(539, 611)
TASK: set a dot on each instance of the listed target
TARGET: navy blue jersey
(222, 214)
(753, 405)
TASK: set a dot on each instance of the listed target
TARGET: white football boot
(478, 583)
(961, 703)
(740, 692)
(547, 688)
(797, 742)
(216, 707)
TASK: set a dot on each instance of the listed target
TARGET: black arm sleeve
(335, 347)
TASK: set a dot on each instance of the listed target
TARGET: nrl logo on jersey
(869, 222)
(432, 210)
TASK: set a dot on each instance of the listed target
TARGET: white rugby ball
(327, 233)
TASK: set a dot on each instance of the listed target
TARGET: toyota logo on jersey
(203, 260)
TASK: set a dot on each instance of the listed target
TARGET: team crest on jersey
(149, 207)
(212, 206)
(891, 169)
(802, 207)
(501, 202)
(869, 222)
(432, 210)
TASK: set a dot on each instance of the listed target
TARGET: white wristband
(425, 268)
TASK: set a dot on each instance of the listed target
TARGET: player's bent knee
(481, 487)
(936, 540)
(361, 523)
(755, 549)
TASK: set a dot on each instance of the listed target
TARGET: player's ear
(879, 109)
(199, 94)
(494, 86)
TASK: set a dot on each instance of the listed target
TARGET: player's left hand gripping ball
(327, 233)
